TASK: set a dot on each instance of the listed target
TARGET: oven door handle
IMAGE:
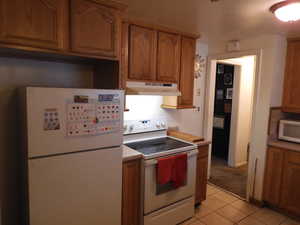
(154, 161)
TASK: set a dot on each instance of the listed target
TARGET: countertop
(202, 143)
(284, 144)
(188, 137)
(130, 154)
(184, 136)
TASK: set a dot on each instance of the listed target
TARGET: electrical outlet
(198, 92)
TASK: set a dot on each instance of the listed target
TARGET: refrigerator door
(80, 188)
(69, 120)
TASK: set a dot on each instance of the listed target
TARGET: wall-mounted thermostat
(233, 46)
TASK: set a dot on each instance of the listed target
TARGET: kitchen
(64, 56)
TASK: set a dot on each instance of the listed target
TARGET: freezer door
(64, 120)
(78, 189)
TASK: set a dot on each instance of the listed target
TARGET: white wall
(269, 91)
(190, 119)
(242, 109)
(187, 120)
(148, 107)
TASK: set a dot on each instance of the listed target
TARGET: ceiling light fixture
(287, 11)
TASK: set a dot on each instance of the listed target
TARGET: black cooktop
(157, 145)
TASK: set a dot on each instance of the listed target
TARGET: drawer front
(293, 157)
(173, 214)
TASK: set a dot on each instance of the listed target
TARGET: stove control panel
(141, 126)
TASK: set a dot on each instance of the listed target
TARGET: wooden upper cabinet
(168, 57)
(186, 78)
(34, 23)
(186, 86)
(291, 100)
(142, 53)
(290, 195)
(95, 28)
(273, 175)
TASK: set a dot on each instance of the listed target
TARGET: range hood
(148, 88)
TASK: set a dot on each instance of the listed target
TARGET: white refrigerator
(72, 155)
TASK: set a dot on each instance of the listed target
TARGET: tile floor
(221, 208)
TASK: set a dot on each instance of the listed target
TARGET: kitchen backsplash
(148, 107)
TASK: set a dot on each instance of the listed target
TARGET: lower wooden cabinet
(201, 175)
(282, 180)
(273, 174)
(290, 195)
(131, 192)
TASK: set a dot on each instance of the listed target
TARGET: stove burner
(153, 146)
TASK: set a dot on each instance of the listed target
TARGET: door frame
(234, 114)
(209, 106)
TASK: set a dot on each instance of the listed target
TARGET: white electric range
(163, 204)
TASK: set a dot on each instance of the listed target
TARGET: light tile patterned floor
(222, 208)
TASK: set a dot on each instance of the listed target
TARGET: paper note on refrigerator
(92, 116)
(51, 119)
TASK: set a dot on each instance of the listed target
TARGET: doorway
(232, 109)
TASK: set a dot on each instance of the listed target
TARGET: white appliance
(72, 155)
(148, 88)
(163, 204)
(289, 130)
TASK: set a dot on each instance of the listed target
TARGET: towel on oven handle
(172, 169)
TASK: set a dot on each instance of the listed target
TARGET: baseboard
(284, 212)
(241, 164)
(256, 202)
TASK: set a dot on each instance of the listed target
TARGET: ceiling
(224, 19)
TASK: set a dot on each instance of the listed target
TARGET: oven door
(156, 196)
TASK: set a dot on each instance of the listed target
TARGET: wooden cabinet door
(95, 28)
(34, 23)
(201, 175)
(124, 55)
(273, 175)
(168, 57)
(188, 51)
(142, 54)
(131, 193)
(291, 100)
(290, 197)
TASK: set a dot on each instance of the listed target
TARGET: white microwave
(289, 130)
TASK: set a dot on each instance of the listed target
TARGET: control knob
(131, 128)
